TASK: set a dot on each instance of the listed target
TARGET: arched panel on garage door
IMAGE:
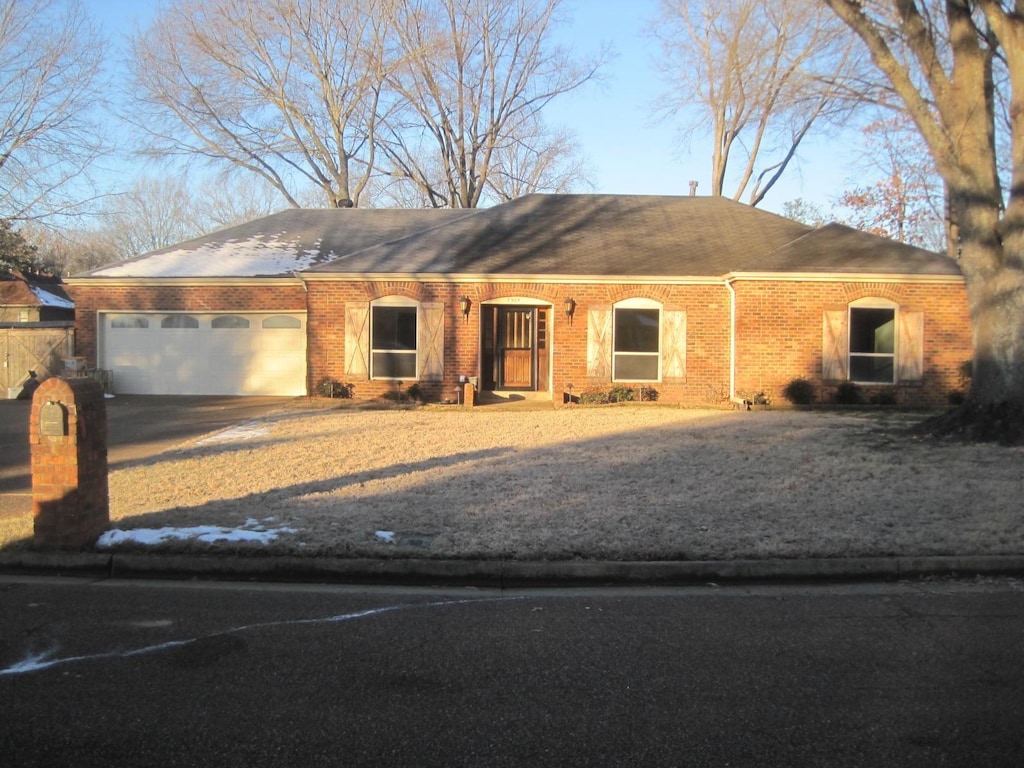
(218, 353)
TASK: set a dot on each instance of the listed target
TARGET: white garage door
(174, 353)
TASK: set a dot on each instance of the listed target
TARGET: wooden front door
(516, 344)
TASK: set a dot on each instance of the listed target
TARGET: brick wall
(258, 295)
(779, 328)
(70, 500)
(779, 334)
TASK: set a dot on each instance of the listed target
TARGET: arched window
(872, 341)
(636, 341)
(129, 321)
(281, 321)
(179, 321)
(393, 336)
(229, 321)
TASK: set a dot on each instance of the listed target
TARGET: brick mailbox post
(68, 439)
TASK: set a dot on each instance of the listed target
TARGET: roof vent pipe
(693, 189)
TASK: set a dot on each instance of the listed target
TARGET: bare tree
(537, 160)
(475, 77)
(68, 251)
(50, 60)
(940, 59)
(235, 198)
(906, 201)
(759, 74)
(156, 212)
(286, 89)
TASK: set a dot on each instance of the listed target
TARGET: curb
(501, 574)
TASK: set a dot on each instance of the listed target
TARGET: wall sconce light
(464, 305)
(570, 309)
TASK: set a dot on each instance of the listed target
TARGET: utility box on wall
(68, 441)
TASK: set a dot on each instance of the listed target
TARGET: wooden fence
(40, 347)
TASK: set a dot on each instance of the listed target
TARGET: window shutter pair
(599, 344)
(835, 346)
(429, 341)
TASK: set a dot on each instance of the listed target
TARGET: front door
(516, 329)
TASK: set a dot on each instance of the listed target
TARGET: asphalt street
(110, 673)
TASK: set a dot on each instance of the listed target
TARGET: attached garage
(214, 353)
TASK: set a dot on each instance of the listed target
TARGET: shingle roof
(593, 235)
(537, 235)
(280, 244)
(837, 248)
(19, 290)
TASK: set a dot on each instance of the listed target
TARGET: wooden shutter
(673, 345)
(910, 347)
(599, 344)
(430, 341)
(835, 345)
(357, 340)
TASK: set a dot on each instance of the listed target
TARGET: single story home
(697, 300)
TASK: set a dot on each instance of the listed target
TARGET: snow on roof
(247, 258)
(47, 299)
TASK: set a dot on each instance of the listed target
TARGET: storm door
(514, 347)
(516, 334)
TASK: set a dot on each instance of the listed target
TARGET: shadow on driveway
(138, 427)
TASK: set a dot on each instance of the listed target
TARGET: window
(229, 321)
(179, 321)
(281, 321)
(393, 342)
(872, 345)
(129, 321)
(636, 338)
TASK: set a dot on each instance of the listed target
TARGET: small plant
(884, 397)
(966, 372)
(799, 392)
(621, 394)
(328, 387)
(848, 393)
(593, 397)
(648, 393)
(415, 393)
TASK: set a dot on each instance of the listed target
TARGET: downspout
(732, 340)
(305, 288)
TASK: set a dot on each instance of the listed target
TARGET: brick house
(698, 298)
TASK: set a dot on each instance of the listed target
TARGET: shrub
(621, 394)
(884, 397)
(648, 393)
(593, 397)
(848, 393)
(328, 387)
(799, 392)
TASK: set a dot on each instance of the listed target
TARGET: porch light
(570, 308)
(464, 305)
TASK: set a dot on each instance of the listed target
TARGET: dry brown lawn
(640, 482)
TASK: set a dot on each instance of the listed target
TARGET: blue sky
(627, 150)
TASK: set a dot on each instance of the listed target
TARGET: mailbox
(53, 419)
(68, 440)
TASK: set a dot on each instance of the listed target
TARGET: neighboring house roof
(280, 244)
(538, 235)
(20, 290)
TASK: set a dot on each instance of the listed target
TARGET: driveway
(138, 427)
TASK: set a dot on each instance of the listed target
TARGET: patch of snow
(242, 432)
(388, 537)
(245, 258)
(48, 299)
(252, 531)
